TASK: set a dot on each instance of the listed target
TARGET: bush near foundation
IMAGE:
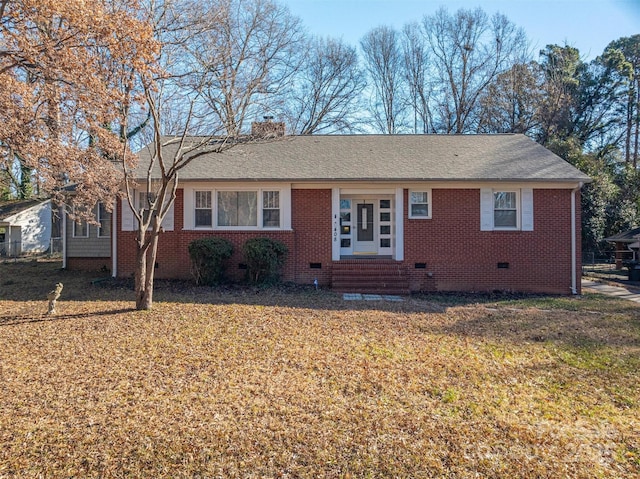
(264, 258)
(208, 256)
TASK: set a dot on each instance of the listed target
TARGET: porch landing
(369, 276)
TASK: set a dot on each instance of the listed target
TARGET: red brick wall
(309, 242)
(89, 264)
(311, 222)
(173, 255)
(460, 257)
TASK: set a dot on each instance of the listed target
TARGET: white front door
(365, 234)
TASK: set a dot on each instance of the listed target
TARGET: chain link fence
(14, 250)
(605, 266)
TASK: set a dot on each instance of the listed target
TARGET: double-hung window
(204, 211)
(104, 221)
(271, 209)
(145, 201)
(419, 204)
(505, 209)
(80, 227)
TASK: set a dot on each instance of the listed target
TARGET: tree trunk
(145, 269)
(143, 302)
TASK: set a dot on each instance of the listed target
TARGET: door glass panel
(385, 230)
(365, 222)
(385, 216)
(385, 204)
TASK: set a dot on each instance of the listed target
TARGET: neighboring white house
(25, 227)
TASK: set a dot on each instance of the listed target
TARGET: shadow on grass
(32, 280)
(15, 319)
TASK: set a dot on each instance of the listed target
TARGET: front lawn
(299, 383)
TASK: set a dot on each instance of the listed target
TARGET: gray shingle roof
(507, 157)
(11, 208)
(628, 236)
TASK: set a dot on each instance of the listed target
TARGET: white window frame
(518, 209)
(76, 223)
(270, 208)
(283, 198)
(429, 204)
(100, 207)
(524, 208)
(212, 209)
(148, 198)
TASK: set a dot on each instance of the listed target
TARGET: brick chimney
(267, 128)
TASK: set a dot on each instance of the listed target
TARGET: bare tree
(327, 89)
(155, 185)
(383, 58)
(173, 94)
(416, 71)
(468, 51)
(246, 56)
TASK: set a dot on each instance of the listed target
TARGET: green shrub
(264, 258)
(208, 257)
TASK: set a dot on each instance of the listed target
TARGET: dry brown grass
(272, 383)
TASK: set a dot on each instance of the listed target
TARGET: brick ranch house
(377, 213)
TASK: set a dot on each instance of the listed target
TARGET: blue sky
(588, 25)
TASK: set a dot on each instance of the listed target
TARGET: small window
(505, 209)
(204, 213)
(80, 229)
(271, 209)
(104, 220)
(145, 201)
(419, 204)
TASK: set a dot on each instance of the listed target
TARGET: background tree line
(81, 81)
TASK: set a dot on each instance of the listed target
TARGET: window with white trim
(237, 208)
(80, 229)
(271, 209)
(419, 204)
(505, 209)
(204, 209)
(242, 209)
(80, 226)
(145, 200)
(104, 221)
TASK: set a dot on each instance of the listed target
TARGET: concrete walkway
(610, 290)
